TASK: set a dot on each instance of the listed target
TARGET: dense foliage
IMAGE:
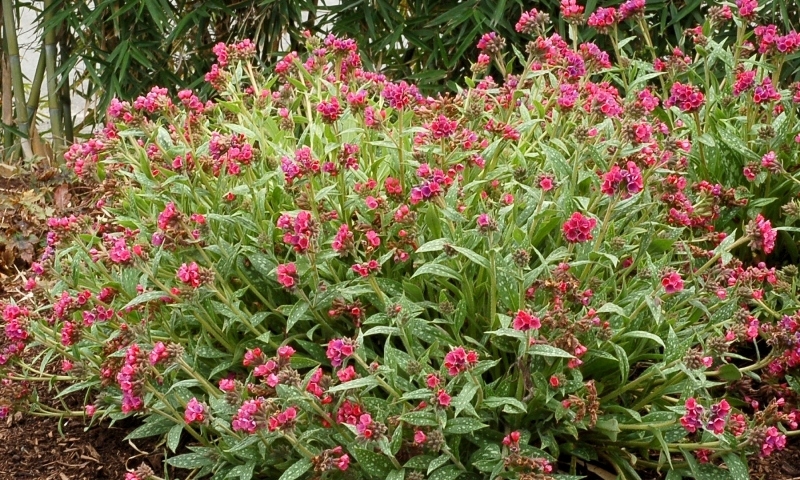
(327, 273)
(128, 48)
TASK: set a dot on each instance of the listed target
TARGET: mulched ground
(45, 448)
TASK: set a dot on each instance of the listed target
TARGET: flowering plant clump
(323, 273)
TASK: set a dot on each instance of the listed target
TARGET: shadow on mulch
(42, 448)
(33, 448)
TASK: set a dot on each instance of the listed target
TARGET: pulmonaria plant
(324, 273)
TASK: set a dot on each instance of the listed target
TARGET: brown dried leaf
(7, 171)
(61, 196)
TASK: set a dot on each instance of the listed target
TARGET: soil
(49, 448)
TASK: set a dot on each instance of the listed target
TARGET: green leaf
(296, 314)
(437, 462)
(244, 472)
(433, 246)
(144, 298)
(643, 334)
(396, 475)
(472, 256)
(736, 466)
(296, 470)
(158, 426)
(549, 351)
(174, 437)
(372, 463)
(449, 472)
(463, 425)
(729, 373)
(509, 404)
(357, 383)
(612, 308)
(420, 419)
(190, 460)
(438, 271)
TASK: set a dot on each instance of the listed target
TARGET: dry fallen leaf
(61, 197)
(7, 171)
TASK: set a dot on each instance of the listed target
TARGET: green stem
(36, 88)
(52, 80)
(713, 260)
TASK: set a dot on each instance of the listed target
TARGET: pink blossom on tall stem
(190, 274)
(339, 349)
(766, 92)
(672, 282)
(525, 321)
(686, 97)
(460, 360)
(632, 8)
(762, 235)
(603, 19)
(578, 228)
(571, 12)
(195, 412)
(692, 420)
(627, 181)
(747, 8)
(287, 275)
(330, 110)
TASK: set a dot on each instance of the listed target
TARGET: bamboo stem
(52, 80)
(8, 100)
(16, 75)
(36, 90)
(65, 101)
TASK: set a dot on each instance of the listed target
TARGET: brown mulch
(47, 448)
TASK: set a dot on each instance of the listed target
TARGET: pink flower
(432, 381)
(603, 19)
(287, 275)
(512, 439)
(195, 412)
(762, 235)
(347, 374)
(442, 398)
(718, 417)
(285, 352)
(419, 437)
(524, 321)
(774, 440)
(747, 8)
(339, 349)
(460, 360)
(578, 229)
(672, 282)
(330, 110)
(190, 274)
(442, 127)
(627, 181)
(571, 11)
(691, 421)
(373, 239)
(687, 97)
